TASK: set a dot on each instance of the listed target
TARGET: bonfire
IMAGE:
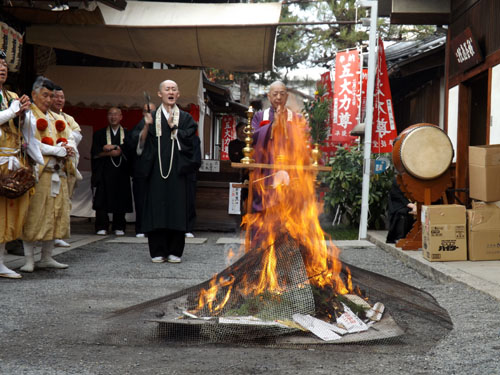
(290, 276)
(286, 283)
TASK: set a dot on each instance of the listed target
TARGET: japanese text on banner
(228, 134)
(11, 42)
(384, 127)
(345, 99)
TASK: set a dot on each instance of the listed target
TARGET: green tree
(317, 45)
(345, 183)
(317, 112)
(314, 45)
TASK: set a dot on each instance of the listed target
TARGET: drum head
(426, 152)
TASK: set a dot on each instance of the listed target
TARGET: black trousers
(139, 186)
(102, 221)
(165, 242)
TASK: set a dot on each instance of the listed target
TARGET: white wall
(453, 118)
(495, 106)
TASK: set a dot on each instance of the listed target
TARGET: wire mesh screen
(294, 313)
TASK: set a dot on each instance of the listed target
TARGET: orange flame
(289, 206)
(208, 297)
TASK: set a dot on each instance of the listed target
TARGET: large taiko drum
(423, 151)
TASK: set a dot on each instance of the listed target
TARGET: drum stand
(424, 192)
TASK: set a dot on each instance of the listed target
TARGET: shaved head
(277, 85)
(277, 94)
(167, 81)
(168, 92)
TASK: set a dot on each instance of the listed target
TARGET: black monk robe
(167, 199)
(111, 175)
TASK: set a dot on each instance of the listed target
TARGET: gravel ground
(53, 322)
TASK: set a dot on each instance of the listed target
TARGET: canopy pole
(363, 224)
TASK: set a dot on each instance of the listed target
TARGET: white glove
(53, 150)
(10, 112)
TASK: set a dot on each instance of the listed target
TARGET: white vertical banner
(453, 118)
(495, 108)
(234, 207)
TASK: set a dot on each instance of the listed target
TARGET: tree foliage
(317, 112)
(311, 45)
(317, 45)
(345, 181)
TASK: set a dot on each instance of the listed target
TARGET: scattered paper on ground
(375, 313)
(323, 330)
(351, 321)
(249, 320)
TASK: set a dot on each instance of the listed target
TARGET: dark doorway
(478, 109)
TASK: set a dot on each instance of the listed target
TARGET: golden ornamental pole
(248, 149)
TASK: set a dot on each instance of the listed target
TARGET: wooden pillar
(463, 141)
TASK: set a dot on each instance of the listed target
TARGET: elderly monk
(57, 107)
(16, 129)
(278, 96)
(264, 123)
(73, 174)
(49, 210)
(164, 134)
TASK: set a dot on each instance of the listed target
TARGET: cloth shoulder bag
(15, 183)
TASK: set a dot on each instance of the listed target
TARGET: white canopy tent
(234, 37)
(123, 87)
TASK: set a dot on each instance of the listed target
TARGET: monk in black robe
(110, 152)
(167, 149)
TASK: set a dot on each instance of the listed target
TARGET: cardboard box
(483, 229)
(444, 233)
(484, 172)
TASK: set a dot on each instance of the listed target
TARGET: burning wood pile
(289, 286)
(224, 311)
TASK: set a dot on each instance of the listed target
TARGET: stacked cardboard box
(444, 233)
(484, 231)
(484, 173)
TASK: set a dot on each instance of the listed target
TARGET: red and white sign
(384, 127)
(345, 98)
(228, 134)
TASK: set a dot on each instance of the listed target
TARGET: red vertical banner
(194, 111)
(228, 134)
(345, 97)
(326, 82)
(364, 85)
(330, 146)
(384, 127)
